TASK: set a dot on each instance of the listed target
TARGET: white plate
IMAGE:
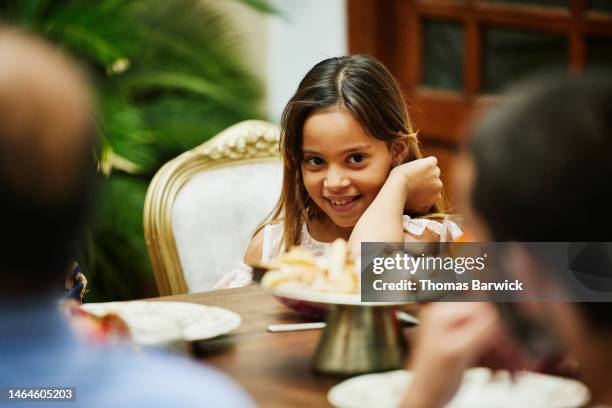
(163, 322)
(481, 388)
(297, 291)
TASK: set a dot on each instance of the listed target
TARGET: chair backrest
(202, 207)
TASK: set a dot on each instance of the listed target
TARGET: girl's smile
(343, 167)
(343, 204)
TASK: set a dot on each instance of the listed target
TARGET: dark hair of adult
(543, 161)
(47, 165)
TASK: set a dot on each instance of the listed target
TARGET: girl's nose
(335, 179)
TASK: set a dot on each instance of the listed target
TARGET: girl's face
(343, 167)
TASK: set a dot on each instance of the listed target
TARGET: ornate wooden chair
(202, 206)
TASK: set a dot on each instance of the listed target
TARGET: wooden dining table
(274, 367)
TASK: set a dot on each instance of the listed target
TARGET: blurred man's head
(46, 162)
(542, 161)
(539, 168)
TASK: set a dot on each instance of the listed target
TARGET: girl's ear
(400, 148)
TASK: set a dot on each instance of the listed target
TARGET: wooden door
(452, 57)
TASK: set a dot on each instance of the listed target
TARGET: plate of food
(297, 277)
(480, 388)
(160, 322)
(359, 337)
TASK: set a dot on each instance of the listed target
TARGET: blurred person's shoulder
(156, 379)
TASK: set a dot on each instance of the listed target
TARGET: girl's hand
(413, 186)
(421, 179)
(451, 337)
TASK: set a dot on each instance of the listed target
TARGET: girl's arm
(419, 181)
(252, 256)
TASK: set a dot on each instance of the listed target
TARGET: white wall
(307, 32)
(250, 29)
(281, 49)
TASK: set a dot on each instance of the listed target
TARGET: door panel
(452, 57)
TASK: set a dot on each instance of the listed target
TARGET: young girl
(342, 133)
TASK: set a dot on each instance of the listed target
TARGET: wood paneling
(392, 31)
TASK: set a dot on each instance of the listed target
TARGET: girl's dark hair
(368, 91)
(543, 161)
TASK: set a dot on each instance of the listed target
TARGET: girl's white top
(273, 235)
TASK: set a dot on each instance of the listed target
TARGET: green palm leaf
(168, 75)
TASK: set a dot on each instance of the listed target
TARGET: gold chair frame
(251, 141)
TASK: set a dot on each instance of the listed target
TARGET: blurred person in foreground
(47, 174)
(537, 169)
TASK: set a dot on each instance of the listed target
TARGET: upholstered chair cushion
(203, 206)
(215, 214)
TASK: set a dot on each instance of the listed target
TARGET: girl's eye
(356, 158)
(315, 161)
